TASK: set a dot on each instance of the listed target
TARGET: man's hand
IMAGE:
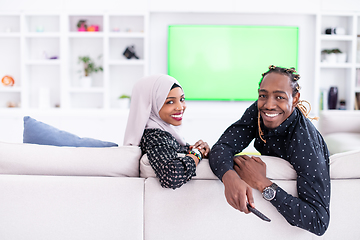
(253, 171)
(237, 192)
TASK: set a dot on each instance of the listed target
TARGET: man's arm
(234, 140)
(310, 210)
(237, 192)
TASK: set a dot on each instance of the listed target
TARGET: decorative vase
(341, 57)
(86, 82)
(82, 28)
(333, 97)
(330, 58)
(124, 103)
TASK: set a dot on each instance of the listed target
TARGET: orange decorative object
(7, 81)
(91, 29)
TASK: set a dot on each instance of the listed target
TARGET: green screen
(218, 62)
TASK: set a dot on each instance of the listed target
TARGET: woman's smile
(177, 116)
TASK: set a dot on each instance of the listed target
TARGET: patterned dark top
(297, 141)
(162, 151)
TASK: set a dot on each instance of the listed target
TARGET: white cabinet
(337, 70)
(41, 53)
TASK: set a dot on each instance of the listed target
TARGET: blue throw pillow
(37, 132)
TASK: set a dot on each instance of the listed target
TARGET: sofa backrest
(33, 159)
(332, 121)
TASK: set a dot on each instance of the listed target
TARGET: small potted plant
(340, 56)
(124, 101)
(81, 25)
(89, 68)
(329, 56)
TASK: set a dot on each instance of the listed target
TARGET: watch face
(269, 193)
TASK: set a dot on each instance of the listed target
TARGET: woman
(278, 123)
(156, 113)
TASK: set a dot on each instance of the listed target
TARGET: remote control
(258, 213)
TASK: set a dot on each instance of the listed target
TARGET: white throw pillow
(33, 159)
(345, 165)
(277, 168)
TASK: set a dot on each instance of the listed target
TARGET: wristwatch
(269, 193)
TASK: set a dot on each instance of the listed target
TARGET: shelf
(335, 65)
(42, 35)
(126, 34)
(9, 35)
(326, 37)
(43, 62)
(62, 112)
(86, 90)
(127, 62)
(86, 34)
(10, 89)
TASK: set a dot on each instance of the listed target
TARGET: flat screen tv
(225, 62)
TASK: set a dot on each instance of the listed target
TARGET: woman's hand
(203, 147)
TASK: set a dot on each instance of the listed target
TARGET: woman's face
(174, 107)
(275, 102)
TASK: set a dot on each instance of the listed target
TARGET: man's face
(275, 101)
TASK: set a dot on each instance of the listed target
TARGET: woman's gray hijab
(148, 97)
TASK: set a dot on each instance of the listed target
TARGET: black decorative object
(333, 97)
(336, 30)
(130, 53)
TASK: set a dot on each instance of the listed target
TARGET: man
(277, 121)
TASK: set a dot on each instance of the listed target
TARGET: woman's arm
(162, 151)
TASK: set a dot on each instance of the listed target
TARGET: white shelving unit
(339, 74)
(10, 48)
(41, 50)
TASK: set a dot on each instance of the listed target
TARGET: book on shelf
(323, 99)
(357, 101)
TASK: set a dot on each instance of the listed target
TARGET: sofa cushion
(342, 142)
(276, 168)
(345, 165)
(71, 208)
(33, 159)
(37, 132)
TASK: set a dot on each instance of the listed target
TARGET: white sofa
(67, 193)
(340, 129)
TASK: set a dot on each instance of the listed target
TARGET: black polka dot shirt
(297, 141)
(162, 151)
